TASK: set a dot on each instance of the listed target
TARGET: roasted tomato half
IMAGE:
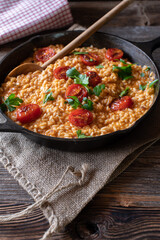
(81, 117)
(94, 78)
(113, 54)
(44, 54)
(76, 90)
(60, 72)
(90, 59)
(28, 113)
(122, 103)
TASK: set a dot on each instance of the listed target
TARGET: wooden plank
(140, 13)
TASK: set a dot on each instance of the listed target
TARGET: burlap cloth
(39, 169)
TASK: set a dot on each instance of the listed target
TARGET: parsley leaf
(72, 72)
(142, 87)
(78, 77)
(73, 101)
(148, 69)
(153, 83)
(88, 104)
(142, 74)
(80, 53)
(81, 135)
(10, 103)
(125, 92)
(99, 66)
(98, 89)
(124, 72)
(49, 96)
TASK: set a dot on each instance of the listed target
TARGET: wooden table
(127, 208)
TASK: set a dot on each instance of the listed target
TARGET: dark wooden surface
(129, 207)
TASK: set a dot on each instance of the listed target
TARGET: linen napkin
(62, 183)
(20, 18)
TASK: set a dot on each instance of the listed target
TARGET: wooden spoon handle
(87, 33)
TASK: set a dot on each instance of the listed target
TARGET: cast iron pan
(140, 53)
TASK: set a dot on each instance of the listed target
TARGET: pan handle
(8, 126)
(148, 47)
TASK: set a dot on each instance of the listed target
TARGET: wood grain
(129, 207)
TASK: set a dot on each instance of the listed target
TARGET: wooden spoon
(31, 67)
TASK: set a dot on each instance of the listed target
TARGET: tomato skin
(122, 103)
(81, 117)
(85, 58)
(113, 54)
(28, 113)
(94, 78)
(76, 90)
(44, 54)
(60, 72)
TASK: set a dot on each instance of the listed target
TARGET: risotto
(90, 92)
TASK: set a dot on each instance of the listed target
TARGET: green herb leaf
(153, 83)
(91, 60)
(124, 72)
(148, 69)
(125, 92)
(99, 66)
(142, 74)
(98, 89)
(49, 96)
(88, 104)
(74, 101)
(10, 103)
(78, 77)
(72, 72)
(142, 87)
(121, 60)
(80, 53)
(81, 135)
(82, 79)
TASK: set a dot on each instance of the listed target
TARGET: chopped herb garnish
(80, 53)
(142, 87)
(125, 92)
(49, 96)
(10, 103)
(81, 135)
(124, 72)
(78, 77)
(72, 72)
(98, 89)
(88, 104)
(142, 74)
(121, 60)
(74, 102)
(153, 83)
(100, 66)
(91, 60)
(148, 69)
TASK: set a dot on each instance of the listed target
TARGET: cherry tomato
(44, 54)
(60, 72)
(76, 90)
(122, 103)
(81, 117)
(28, 113)
(90, 59)
(113, 54)
(94, 78)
